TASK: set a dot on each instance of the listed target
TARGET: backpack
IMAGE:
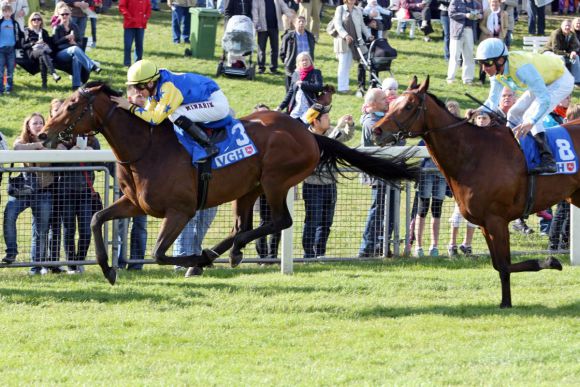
(331, 29)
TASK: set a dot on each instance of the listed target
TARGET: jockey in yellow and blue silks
(184, 98)
(544, 81)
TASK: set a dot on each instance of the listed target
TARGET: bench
(535, 43)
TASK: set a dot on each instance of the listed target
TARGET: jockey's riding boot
(198, 135)
(547, 163)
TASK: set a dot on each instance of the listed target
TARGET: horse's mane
(105, 87)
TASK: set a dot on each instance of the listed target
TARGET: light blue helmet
(491, 48)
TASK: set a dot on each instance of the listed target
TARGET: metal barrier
(353, 201)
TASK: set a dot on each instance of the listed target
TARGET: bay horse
(157, 178)
(485, 170)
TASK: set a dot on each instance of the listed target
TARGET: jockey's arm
(532, 78)
(157, 111)
(492, 101)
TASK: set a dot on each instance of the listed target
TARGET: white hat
(389, 83)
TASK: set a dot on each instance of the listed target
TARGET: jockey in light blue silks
(184, 98)
(544, 81)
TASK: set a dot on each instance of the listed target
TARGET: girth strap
(531, 195)
(203, 178)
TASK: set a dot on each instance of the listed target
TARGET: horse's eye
(408, 106)
(70, 108)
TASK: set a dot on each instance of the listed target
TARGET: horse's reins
(67, 134)
(404, 132)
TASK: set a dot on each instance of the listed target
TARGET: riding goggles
(487, 62)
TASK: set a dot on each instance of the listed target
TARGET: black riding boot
(198, 135)
(547, 163)
(43, 76)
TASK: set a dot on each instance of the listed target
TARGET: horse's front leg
(121, 208)
(497, 235)
(171, 227)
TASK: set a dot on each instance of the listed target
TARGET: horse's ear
(413, 84)
(424, 86)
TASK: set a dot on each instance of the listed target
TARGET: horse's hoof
(111, 276)
(553, 263)
(236, 259)
(194, 271)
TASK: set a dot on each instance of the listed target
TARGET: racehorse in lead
(157, 178)
(485, 169)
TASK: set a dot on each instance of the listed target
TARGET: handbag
(17, 186)
(331, 29)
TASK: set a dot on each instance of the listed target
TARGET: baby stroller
(374, 58)
(238, 44)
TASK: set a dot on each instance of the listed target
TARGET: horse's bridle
(67, 134)
(403, 127)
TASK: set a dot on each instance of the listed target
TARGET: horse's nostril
(42, 136)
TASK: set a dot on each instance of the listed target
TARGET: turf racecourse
(395, 322)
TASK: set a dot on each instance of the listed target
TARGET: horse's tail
(333, 153)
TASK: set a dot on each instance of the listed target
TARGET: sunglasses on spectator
(36, 19)
(64, 14)
(487, 62)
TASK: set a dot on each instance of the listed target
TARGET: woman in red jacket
(135, 13)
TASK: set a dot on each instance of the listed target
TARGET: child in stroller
(238, 44)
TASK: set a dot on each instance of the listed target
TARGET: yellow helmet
(142, 71)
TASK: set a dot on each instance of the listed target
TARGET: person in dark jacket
(237, 7)
(305, 86)
(564, 42)
(293, 43)
(37, 47)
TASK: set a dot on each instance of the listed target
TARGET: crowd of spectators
(62, 200)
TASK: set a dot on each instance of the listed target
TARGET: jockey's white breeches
(214, 109)
(528, 105)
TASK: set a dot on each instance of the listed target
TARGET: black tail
(334, 153)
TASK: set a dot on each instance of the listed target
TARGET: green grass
(403, 321)
(370, 323)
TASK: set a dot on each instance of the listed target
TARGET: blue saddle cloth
(236, 145)
(562, 148)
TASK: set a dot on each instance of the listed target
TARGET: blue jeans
(130, 35)
(138, 244)
(41, 205)
(445, 25)
(372, 242)
(77, 210)
(155, 5)
(78, 58)
(180, 23)
(319, 205)
(191, 237)
(8, 61)
(81, 22)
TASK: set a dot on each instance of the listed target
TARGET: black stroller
(374, 57)
(238, 44)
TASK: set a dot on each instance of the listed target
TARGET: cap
(315, 111)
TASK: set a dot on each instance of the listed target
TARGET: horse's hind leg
(121, 208)
(281, 219)
(171, 227)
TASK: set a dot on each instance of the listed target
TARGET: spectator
(135, 17)
(352, 33)
(37, 47)
(576, 27)
(78, 191)
(79, 16)
(377, 14)
(319, 189)
(432, 187)
(509, 7)
(304, 88)
(390, 87)
(293, 43)
(55, 19)
(267, 18)
(92, 15)
(536, 17)
(180, 19)
(39, 200)
(66, 39)
(375, 106)
(20, 9)
(10, 39)
(311, 10)
(265, 248)
(463, 15)
(444, 18)
(421, 11)
(237, 7)
(493, 25)
(563, 42)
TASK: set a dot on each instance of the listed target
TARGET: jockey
(545, 82)
(183, 98)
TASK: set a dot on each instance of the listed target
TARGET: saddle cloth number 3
(241, 132)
